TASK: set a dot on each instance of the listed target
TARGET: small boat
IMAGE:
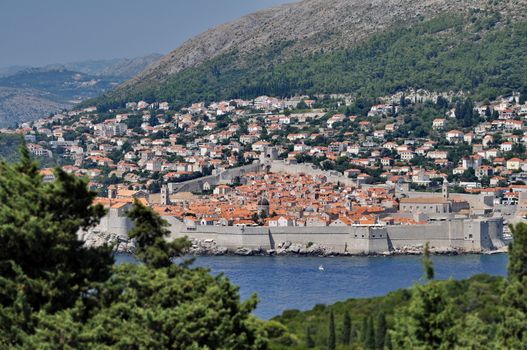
(321, 268)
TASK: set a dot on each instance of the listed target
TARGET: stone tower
(269, 154)
(165, 195)
(446, 194)
(112, 192)
(263, 207)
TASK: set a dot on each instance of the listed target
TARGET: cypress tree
(364, 330)
(310, 342)
(488, 113)
(332, 341)
(369, 343)
(427, 263)
(387, 341)
(381, 331)
(346, 329)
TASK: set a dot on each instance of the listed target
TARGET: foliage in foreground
(57, 294)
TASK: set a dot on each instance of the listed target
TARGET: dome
(263, 202)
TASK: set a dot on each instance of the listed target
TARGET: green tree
(518, 252)
(150, 233)
(332, 340)
(44, 267)
(380, 332)
(428, 321)
(346, 329)
(310, 341)
(512, 330)
(369, 342)
(145, 308)
(38, 234)
(427, 263)
(57, 294)
(364, 330)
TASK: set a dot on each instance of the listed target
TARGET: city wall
(275, 166)
(224, 177)
(471, 235)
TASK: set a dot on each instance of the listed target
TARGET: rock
(295, 248)
(221, 251)
(285, 245)
(244, 251)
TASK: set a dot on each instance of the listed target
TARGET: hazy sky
(39, 32)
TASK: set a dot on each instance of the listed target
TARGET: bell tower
(165, 195)
(446, 194)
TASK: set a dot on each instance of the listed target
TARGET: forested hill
(372, 48)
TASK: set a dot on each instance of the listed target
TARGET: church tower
(263, 207)
(446, 195)
(165, 195)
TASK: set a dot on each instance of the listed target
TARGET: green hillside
(476, 296)
(481, 53)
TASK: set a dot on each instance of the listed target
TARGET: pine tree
(150, 232)
(346, 329)
(518, 252)
(332, 341)
(512, 333)
(38, 235)
(381, 331)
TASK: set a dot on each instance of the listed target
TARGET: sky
(40, 32)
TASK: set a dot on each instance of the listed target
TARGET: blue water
(283, 283)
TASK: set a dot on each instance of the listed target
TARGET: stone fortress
(441, 226)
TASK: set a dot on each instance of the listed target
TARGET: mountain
(61, 84)
(20, 105)
(7, 71)
(329, 46)
(118, 67)
(30, 93)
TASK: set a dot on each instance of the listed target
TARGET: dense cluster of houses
(146, 145)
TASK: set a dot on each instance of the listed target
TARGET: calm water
(296, 283)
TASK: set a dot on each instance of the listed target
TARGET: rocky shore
(98, 239)
(207, 248)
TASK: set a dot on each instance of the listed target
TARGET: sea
(292, 282)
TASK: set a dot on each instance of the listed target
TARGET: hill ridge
(301, 29)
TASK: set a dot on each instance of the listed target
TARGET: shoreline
(202, 248)
(207, 248)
